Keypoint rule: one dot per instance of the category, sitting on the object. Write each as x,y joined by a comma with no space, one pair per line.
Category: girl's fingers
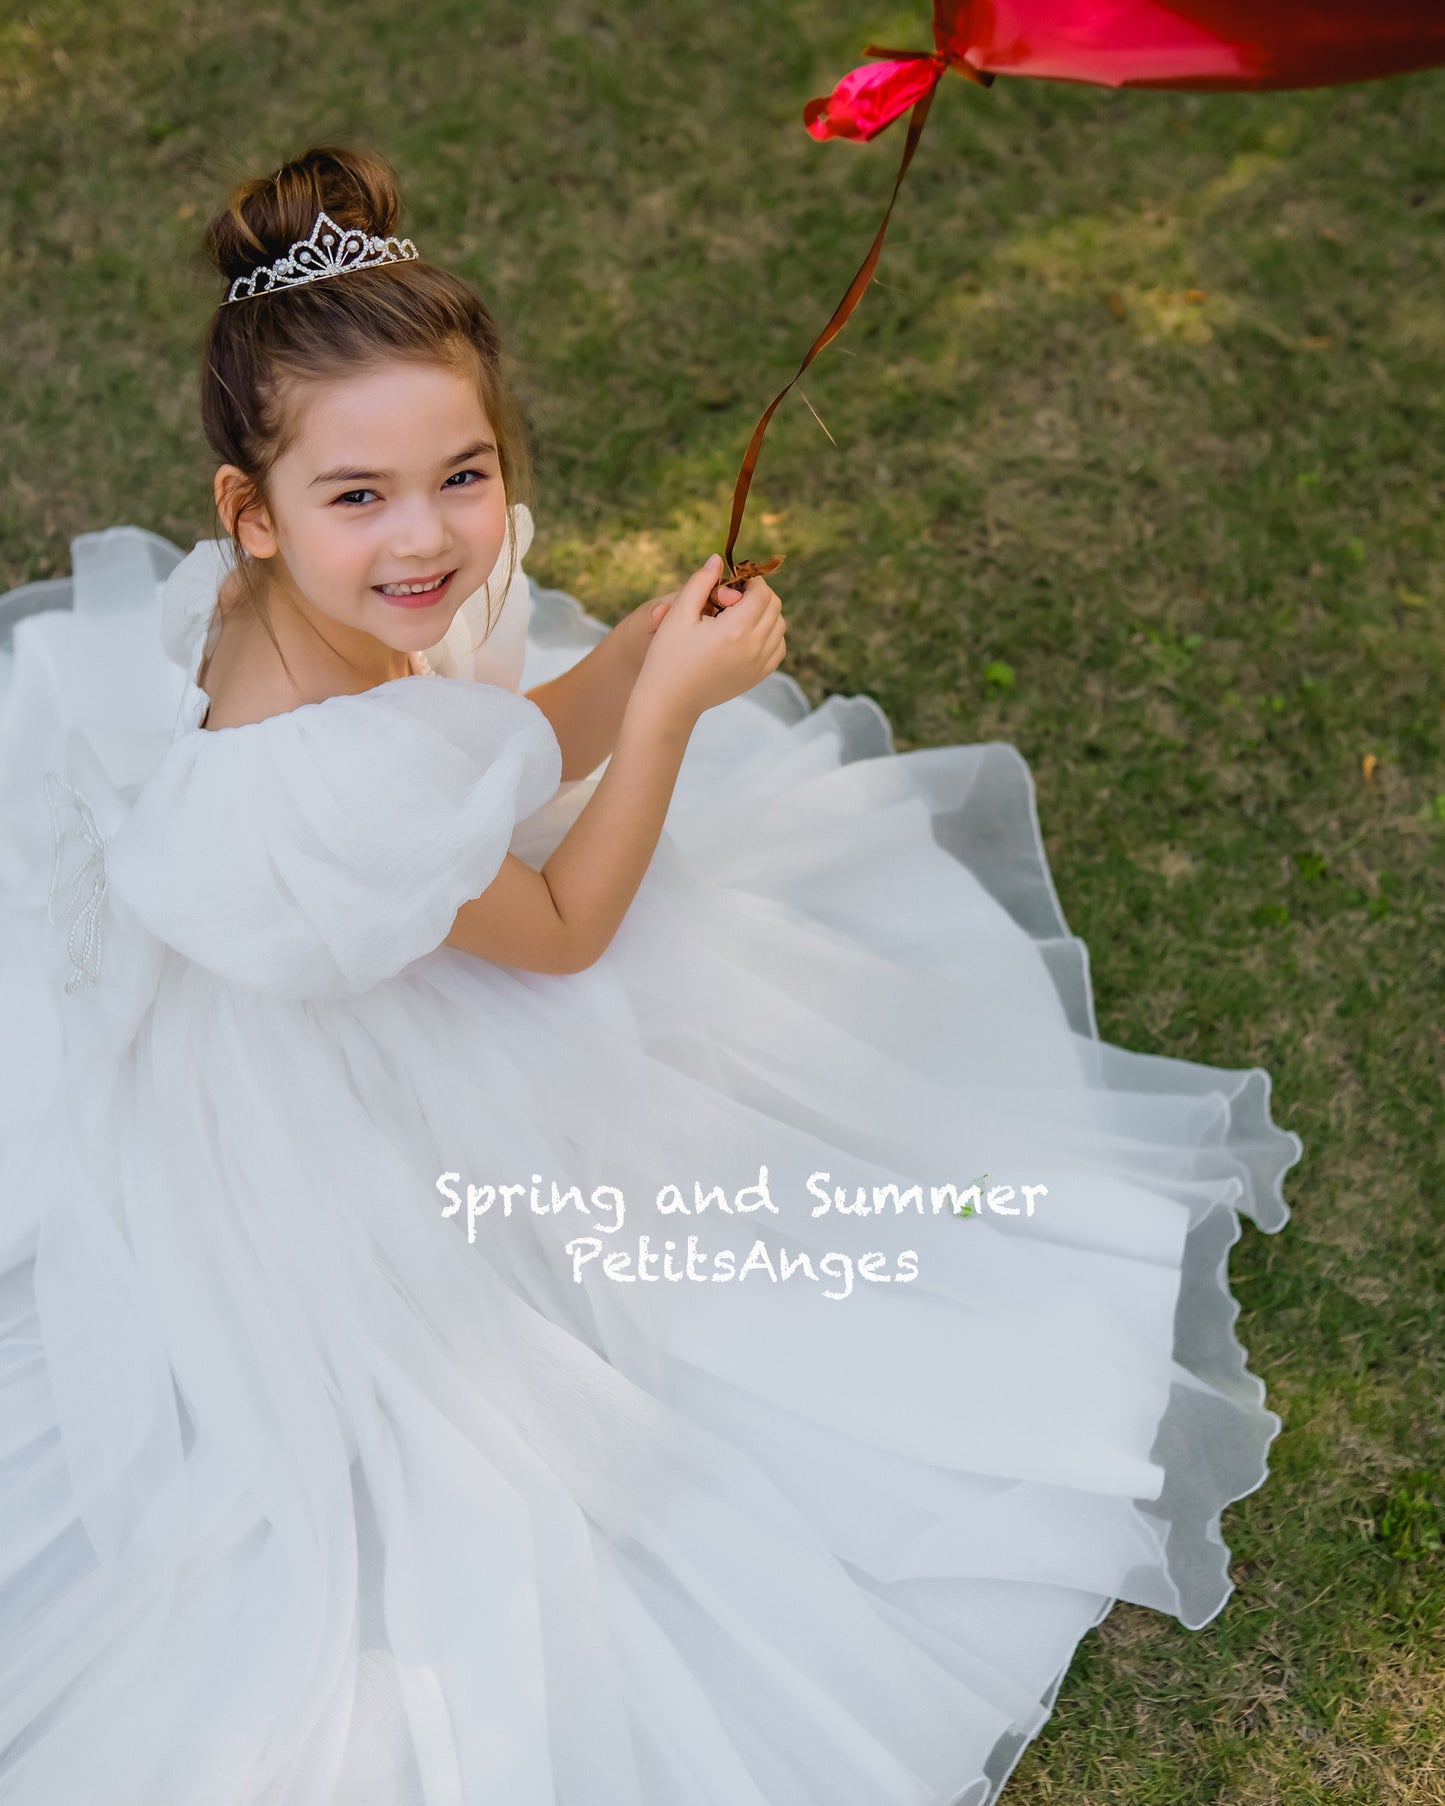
760,601
693,595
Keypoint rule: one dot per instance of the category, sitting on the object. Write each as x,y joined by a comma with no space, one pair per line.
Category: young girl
572,1245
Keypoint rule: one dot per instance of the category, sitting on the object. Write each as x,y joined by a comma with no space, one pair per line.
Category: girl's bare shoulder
241,672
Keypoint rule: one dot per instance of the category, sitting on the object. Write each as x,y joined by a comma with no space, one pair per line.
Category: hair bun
265,215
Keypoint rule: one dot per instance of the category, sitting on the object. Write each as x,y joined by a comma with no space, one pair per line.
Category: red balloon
1115,44
1198,44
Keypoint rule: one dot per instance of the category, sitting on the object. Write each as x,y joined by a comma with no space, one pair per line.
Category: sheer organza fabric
312,1496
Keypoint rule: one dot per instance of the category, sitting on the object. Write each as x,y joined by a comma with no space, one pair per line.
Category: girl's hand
651,613
695,661
637,626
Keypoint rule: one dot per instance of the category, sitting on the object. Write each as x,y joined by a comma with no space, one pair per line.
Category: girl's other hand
653,611
695,661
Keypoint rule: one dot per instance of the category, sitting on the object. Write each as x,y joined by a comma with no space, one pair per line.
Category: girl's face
393,480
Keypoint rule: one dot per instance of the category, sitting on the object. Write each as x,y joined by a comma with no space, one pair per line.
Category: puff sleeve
318,852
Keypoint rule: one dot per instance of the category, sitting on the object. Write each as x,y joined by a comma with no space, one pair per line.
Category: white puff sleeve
318,852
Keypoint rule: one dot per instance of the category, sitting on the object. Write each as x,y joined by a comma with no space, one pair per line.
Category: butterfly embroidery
78,879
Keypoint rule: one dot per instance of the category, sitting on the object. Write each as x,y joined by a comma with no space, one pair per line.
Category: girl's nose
422,536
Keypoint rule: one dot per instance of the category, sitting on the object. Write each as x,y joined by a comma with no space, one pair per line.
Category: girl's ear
250,526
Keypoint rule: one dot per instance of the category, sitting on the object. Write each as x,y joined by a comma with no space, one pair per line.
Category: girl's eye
481,476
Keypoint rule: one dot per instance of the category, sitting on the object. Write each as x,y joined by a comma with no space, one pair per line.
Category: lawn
1133,458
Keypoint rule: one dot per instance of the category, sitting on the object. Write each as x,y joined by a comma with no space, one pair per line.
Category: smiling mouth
409,595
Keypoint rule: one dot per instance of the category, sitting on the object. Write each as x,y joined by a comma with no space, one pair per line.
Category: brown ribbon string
835,325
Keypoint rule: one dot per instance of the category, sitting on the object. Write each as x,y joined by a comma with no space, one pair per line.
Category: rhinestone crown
331,250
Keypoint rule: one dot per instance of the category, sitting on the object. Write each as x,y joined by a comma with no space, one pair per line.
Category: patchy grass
1138,465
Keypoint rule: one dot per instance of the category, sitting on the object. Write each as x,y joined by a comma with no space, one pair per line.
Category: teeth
410,589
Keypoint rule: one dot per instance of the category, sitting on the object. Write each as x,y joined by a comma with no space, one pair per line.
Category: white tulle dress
327,1481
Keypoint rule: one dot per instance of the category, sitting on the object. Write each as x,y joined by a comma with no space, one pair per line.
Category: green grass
1139,465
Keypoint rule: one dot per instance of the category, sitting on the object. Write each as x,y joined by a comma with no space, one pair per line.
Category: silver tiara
331,250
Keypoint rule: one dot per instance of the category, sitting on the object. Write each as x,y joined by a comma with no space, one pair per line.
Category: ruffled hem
1214,1436
766,784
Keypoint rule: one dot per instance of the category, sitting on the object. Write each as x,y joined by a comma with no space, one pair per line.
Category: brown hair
258,351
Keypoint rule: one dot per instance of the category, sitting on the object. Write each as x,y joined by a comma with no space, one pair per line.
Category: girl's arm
585,704
562,918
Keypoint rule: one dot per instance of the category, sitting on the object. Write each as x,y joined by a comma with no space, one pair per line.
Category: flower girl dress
327,1481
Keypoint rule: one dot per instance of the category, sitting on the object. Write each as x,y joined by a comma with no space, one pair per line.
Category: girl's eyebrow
377,476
